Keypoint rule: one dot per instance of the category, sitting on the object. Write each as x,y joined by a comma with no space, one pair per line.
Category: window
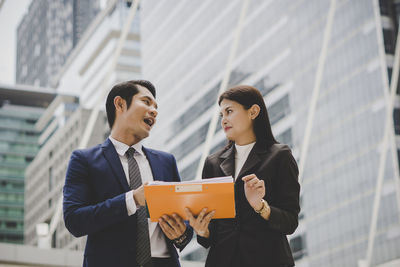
191,143
398,157
198,108
11,224
389,40
37,50
297,245
24,71
279,110
265,88
190,171
396,118
50,178
285,137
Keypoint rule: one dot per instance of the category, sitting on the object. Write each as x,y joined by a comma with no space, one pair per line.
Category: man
103,192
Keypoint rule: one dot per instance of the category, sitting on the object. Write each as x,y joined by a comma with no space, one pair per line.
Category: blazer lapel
155,164
227,164
113,160
253,159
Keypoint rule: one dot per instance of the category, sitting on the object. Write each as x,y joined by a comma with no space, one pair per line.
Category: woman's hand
254,190
200,223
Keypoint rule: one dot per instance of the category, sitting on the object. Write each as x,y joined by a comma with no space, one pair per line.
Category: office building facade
63,127
186,46
47,34
20,108
82,76
88,66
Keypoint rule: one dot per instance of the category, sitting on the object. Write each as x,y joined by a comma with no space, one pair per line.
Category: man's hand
254,190
200,223
138,195
172,226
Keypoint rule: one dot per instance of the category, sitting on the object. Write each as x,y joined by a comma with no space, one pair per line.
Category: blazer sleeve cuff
282,221
182,241
273,220
205,242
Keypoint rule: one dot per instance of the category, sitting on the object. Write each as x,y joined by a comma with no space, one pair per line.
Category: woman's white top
241,154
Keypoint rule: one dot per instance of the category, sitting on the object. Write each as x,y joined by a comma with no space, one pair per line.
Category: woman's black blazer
248,237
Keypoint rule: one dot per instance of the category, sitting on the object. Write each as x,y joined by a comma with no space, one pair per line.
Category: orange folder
168,198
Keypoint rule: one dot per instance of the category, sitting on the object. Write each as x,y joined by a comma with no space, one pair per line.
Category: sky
11,13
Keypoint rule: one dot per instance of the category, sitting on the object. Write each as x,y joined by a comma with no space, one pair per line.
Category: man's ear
254,111
119,103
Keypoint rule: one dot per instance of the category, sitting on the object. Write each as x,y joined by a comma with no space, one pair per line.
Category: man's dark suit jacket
248,239
94,204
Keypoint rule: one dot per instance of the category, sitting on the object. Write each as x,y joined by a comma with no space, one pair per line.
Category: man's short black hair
126,90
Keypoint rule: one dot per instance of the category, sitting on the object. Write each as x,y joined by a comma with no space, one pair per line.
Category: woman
266,188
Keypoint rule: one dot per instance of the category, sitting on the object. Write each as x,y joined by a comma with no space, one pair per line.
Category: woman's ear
254,111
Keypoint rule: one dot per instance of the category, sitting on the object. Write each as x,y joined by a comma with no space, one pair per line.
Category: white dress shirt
158,243
241,154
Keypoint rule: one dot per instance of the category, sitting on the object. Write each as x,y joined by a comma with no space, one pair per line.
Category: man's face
141,115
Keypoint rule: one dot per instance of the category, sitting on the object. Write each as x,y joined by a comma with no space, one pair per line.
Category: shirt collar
121,148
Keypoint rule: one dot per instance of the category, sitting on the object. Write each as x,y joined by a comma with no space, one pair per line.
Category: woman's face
237,122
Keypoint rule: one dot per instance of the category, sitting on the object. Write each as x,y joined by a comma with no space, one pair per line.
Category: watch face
264,207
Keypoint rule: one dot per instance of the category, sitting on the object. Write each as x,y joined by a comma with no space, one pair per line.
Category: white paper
226,179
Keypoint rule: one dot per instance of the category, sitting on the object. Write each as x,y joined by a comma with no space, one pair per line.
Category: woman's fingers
249,177
208,217
259,184
201,214
190,216
200,223
253,182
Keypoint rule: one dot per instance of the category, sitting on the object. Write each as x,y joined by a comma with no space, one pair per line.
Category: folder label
189,188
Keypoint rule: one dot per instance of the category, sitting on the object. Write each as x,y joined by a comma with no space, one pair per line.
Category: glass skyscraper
185,48
47,34
83,76
20,108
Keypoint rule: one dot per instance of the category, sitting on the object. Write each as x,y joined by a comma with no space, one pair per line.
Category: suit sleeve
284,215
81,216
189,230
206,242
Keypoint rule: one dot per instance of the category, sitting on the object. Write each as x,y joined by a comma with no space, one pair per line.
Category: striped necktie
143,253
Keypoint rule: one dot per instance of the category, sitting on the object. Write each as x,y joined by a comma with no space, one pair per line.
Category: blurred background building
20,109
46,36
183,48
79,85
62,126
185,51
89,64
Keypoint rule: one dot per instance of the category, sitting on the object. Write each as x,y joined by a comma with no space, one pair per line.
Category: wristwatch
264,207
178,241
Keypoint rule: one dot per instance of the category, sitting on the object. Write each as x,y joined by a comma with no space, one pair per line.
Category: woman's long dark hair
247,96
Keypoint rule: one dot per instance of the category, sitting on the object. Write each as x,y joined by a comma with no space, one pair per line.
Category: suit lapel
253,159
113,160
155,164
227,164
